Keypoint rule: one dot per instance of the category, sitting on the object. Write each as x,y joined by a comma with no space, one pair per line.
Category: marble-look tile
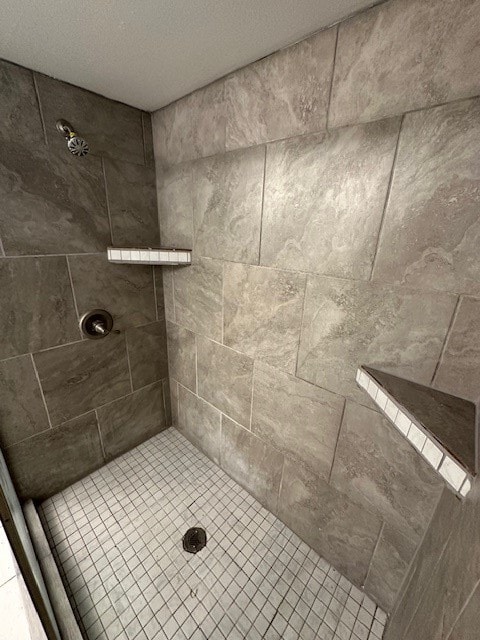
159,292
131,420
22,412
282,95
227,205
111,128
50,461
404,55
198,297
148,139
19,113
37,309
78,377
147,353
390,561
164,282
174,400
175,206
296,417
431,230
337,528
193,127
51,204
225,379
199,422
126,291
167,402
182,355
252,463
377,467
468,624
346,324
459,370
132,203
324,199
263,313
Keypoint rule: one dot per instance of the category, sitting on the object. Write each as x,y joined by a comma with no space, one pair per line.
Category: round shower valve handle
96,324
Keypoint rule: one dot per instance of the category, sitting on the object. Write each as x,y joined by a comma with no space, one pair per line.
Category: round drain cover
194,540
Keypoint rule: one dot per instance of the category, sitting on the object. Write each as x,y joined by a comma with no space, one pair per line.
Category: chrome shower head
76,145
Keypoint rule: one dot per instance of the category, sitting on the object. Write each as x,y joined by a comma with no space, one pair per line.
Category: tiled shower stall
330,195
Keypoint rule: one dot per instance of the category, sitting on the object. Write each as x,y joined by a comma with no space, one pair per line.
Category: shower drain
194,540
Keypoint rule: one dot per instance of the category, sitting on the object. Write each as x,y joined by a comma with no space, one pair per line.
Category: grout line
39,105
164,401
2,250
373,553
262,206
465,605
41,390
387,198
447,337
100,436
74,296
251,396
107,200
301,326
142,119
196,363
155,292
128,361
173,294
337,440
330,91
223,302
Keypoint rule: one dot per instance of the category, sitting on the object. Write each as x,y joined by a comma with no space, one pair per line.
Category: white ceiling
148,53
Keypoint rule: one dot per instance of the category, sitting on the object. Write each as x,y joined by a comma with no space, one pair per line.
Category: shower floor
117,538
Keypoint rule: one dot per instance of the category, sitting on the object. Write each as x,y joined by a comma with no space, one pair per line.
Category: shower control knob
96,324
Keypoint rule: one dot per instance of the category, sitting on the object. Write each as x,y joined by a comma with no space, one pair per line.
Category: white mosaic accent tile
432,453
150,256
117,537
402,422
467,485
416,437
452,473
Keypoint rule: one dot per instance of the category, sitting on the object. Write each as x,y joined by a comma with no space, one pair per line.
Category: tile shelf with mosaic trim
161,256
441,427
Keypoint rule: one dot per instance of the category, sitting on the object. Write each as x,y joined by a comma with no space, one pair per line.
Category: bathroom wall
331,194
67,404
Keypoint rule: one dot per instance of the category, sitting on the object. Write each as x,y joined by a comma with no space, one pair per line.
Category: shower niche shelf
162,256
441,427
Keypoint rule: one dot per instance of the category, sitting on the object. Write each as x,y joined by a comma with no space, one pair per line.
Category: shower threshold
117,539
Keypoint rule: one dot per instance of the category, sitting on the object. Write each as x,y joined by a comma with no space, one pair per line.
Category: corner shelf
161,256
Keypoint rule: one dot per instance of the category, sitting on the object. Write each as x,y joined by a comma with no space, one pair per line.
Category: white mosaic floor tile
117,537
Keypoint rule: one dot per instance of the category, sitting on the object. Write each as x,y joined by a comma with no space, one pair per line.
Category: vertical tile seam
330,91
37,376
155,299
223,303
107,199
2,250
373,553
262,206
164,401
144,142
301,325
337,440
251,396
387,198
447,338
39,106
100,435
128,362
73,295
462,609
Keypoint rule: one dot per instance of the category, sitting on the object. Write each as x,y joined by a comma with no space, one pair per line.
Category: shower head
76,145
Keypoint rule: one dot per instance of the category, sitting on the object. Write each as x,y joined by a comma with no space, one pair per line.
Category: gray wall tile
22,411
19,113
79,377
227,205
346,324
263,311
283,95
403,55
182,355
254,464
225,379
466,628
147,353
175,206
432,230
164,281
296,417
126,291
50,461
199,422
37,309
324,199
174,400
132,203
337,528
51,203
127,422
148,139
198,297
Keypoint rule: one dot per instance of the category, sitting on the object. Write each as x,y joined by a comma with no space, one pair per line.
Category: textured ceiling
148,53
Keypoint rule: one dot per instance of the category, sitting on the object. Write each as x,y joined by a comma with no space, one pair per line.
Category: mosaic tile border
149,256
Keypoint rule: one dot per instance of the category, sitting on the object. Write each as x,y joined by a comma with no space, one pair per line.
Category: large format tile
111,128
37,309
254,464
296,417
81,376
283,95
175,206
468,624
131,420
347,324
324,199
126,291
148,139
54,459
263,313
164,289
192,127
132,203
403,55
49,203
431,230
147,353
198,297
227,205
378,467
22,412
199,422
225,379
182,355
19,113
342,532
